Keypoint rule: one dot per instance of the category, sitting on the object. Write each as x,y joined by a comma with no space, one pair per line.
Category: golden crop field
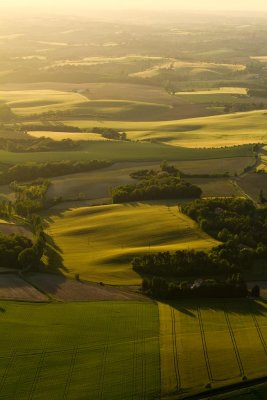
85,240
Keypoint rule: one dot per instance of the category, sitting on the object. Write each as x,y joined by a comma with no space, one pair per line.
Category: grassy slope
222,130
29,102
99,242
126,151
106,350
211,342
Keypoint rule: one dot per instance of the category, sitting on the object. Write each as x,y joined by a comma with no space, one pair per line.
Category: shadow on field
54,256
232,306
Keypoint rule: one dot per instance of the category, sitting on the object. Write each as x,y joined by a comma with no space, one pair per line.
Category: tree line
171,290
42,144
31,171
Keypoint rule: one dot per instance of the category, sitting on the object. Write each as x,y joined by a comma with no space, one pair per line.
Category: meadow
75,351
83,240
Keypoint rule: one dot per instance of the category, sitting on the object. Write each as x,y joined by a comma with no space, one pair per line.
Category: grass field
82,351
85,241
126,151
211,343
219,130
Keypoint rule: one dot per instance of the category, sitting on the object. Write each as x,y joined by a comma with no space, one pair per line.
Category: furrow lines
70,373
257,326
204,345
232,335
175,352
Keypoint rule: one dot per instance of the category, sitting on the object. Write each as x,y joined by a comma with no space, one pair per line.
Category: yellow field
214,131
67,135
28,102
259,58
221,90
173,64
214,343
99,242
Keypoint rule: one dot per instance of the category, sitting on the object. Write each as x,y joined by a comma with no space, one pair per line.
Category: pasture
75,351
99,242
208,343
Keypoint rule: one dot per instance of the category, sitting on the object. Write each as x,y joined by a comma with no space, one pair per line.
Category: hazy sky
255,5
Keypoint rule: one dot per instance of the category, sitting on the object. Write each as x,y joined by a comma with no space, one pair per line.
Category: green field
131,350
103,350
211,343
99,242
126,151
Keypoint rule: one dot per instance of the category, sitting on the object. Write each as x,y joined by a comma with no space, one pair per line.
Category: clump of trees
30,171
170,290
20,252
43,144
29,198
110,133
156,185
237,223
11,248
